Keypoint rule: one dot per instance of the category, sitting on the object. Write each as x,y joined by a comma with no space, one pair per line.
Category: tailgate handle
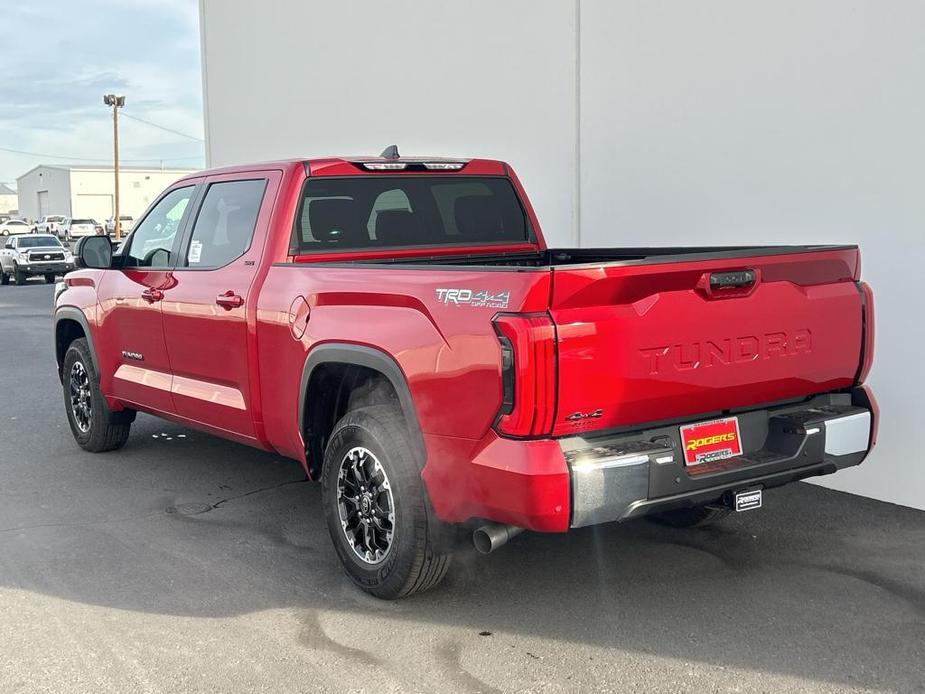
738,278
729,284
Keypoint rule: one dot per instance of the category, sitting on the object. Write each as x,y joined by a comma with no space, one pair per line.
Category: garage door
96,206
43,204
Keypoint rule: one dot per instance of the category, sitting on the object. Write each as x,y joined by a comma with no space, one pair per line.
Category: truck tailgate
659,339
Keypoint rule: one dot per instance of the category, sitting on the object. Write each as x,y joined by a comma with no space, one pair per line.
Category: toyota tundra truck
399,327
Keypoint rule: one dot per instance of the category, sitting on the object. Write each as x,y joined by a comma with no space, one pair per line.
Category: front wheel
94,426
4,278
375,507
21,276
49,278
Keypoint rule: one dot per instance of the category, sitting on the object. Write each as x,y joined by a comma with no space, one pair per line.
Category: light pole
116,102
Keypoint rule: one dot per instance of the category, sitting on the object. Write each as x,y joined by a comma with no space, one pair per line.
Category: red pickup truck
399,327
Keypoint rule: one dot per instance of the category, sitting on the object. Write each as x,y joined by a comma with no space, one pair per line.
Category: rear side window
390,211
225,224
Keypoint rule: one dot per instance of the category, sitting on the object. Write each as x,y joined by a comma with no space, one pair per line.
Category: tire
49,278
691,517
21,276
375,440
94,426
4,278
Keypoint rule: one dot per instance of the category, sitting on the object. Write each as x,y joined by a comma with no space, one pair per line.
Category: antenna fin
390,152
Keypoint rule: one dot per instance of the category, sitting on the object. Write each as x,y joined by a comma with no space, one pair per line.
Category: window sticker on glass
195,251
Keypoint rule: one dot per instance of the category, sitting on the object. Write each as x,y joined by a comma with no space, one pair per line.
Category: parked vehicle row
29,255
65,228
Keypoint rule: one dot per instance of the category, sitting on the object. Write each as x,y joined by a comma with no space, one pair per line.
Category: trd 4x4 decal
474,297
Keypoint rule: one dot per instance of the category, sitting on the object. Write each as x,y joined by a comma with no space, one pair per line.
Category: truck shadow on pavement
818,585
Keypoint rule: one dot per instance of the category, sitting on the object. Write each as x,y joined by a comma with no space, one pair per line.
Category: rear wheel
690,517
375,508
94,426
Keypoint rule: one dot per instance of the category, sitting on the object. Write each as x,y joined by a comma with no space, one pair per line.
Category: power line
162,127
90,159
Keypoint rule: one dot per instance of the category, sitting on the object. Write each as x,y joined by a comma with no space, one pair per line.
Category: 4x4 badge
575,416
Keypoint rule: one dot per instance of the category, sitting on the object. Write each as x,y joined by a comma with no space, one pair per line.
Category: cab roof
389,162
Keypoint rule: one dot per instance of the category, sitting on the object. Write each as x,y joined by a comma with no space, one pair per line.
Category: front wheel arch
71,324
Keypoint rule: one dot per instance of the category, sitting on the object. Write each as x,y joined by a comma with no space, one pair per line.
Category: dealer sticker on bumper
746,501
708,441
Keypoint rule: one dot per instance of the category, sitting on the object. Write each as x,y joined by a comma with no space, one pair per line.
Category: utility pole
116,102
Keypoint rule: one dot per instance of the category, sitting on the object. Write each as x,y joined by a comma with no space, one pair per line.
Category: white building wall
49,181
92,190
729,122
630,123
8,201
478,78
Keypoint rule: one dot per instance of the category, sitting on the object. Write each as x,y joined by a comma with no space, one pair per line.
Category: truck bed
558,257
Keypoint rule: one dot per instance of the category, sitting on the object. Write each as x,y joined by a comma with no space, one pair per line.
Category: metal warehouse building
87,191
706,122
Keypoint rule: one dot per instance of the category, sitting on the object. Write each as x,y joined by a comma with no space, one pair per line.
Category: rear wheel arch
340,377
71,324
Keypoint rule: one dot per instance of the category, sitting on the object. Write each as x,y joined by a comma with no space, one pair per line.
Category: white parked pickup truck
48,224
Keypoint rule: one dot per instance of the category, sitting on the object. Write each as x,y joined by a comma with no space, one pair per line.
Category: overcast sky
58,58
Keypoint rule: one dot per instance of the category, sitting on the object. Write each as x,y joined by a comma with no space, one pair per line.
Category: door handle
152,295
229,300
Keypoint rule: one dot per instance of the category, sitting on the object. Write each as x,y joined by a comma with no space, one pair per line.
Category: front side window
389,211
225,223
153,240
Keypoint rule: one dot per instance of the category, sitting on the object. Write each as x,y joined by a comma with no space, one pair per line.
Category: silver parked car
76,228
25,255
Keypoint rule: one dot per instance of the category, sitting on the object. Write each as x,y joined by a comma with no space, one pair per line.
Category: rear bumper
550,485
637,474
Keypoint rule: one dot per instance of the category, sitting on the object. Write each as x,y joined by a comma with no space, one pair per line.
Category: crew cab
400,327
27,255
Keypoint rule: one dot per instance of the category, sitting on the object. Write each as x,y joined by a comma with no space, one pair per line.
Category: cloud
58,59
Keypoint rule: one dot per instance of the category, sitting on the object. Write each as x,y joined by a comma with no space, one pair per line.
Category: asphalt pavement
185,563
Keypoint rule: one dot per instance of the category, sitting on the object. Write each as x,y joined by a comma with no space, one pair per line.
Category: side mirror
94,252
9,246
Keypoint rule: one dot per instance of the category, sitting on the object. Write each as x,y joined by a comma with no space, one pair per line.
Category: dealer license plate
705,442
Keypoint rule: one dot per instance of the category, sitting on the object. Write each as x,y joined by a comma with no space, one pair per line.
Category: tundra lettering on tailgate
725,351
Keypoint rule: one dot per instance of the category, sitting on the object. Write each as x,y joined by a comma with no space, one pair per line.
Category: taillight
528,374
867,340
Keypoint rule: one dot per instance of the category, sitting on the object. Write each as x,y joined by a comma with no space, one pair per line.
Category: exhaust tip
490,537
482,541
